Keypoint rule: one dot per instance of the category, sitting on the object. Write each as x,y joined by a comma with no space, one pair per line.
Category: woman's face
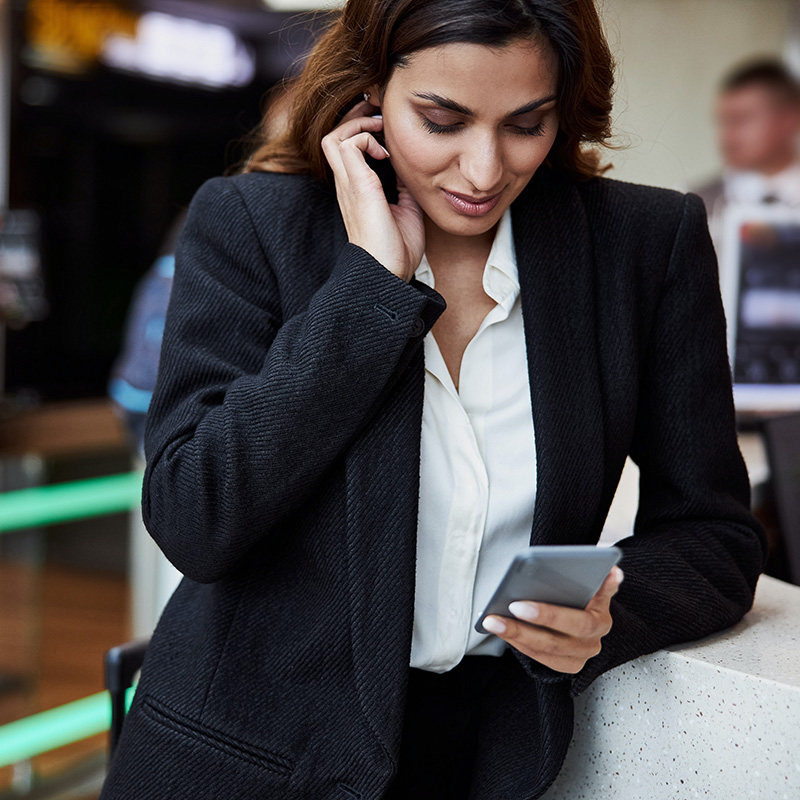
467,126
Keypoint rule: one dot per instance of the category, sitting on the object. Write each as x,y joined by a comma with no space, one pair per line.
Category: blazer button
418,327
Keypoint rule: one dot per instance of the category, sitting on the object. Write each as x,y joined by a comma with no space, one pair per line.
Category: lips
471,206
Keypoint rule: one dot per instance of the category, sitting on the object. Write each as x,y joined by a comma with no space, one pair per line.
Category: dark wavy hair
368,39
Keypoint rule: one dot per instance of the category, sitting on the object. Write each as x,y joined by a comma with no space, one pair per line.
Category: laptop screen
764,328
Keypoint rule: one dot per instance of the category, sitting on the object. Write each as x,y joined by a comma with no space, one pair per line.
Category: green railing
40,733
64,502
48,505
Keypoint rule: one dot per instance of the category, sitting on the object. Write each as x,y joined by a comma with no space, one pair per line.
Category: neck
449,251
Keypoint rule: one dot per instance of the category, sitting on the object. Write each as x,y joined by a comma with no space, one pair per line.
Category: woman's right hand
392,234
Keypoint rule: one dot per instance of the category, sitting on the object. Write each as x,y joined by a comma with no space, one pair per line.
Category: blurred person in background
758,125
133,374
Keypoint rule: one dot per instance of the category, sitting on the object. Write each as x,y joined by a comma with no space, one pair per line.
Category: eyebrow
445,102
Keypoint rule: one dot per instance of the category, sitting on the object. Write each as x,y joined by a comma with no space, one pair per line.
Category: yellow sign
70,34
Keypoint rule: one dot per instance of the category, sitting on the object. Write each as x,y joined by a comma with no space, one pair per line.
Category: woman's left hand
561,638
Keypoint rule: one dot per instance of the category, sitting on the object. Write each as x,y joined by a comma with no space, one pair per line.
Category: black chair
121,665
782,438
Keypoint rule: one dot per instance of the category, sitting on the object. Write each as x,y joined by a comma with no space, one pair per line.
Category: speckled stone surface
715,718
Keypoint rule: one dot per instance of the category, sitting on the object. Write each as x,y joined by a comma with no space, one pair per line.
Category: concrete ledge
714,718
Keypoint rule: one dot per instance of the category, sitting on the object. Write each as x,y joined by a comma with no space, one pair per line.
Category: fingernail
493,625
384,150
524,609
620,575
377,116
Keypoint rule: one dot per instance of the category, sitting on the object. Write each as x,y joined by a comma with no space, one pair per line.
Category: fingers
556,650
350,149
569,621
344,148
346,129
354,122
559,637
591,621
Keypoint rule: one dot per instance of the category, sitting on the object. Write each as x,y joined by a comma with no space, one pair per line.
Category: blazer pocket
185,726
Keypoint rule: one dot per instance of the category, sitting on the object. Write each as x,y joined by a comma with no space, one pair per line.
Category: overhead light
182,50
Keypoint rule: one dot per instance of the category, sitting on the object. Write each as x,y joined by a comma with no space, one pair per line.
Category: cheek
526,154
415,152
526,157
752,137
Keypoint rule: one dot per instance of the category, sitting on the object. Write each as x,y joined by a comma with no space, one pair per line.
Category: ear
375,95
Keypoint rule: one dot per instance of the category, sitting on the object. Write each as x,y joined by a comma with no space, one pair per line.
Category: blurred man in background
758,124
754,218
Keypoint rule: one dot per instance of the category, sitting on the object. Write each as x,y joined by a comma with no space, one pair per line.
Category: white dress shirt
754,187
477,471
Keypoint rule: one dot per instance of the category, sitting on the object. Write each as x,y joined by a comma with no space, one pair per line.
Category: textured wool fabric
282,479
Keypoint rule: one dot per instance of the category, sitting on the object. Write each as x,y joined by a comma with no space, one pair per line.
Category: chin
473,227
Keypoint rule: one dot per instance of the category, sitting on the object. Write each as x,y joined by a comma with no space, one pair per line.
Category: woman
375,388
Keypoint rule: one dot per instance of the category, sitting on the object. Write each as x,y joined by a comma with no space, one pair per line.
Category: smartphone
565,575
384,170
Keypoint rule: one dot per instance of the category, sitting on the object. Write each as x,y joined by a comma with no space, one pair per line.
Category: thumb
607,590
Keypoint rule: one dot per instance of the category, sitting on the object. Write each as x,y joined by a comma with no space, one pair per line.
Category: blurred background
112,113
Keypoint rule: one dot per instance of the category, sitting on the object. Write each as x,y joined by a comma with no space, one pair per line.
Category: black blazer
282,479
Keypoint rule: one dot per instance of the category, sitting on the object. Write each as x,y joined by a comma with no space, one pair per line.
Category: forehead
480,77
750,96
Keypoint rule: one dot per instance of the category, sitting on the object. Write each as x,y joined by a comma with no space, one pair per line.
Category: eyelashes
432,127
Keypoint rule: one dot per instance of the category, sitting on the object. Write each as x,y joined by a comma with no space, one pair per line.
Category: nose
481,161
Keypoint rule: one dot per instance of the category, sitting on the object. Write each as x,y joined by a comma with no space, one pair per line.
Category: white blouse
477,471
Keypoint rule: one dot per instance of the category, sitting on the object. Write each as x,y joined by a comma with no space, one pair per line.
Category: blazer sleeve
249,409
693,561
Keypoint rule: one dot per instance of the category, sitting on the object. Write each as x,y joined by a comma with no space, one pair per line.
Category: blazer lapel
557,290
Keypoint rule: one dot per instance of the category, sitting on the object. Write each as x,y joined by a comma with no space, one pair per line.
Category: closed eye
524,130
434,127
536,130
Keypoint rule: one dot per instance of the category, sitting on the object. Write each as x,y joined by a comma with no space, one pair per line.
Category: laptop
761,294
